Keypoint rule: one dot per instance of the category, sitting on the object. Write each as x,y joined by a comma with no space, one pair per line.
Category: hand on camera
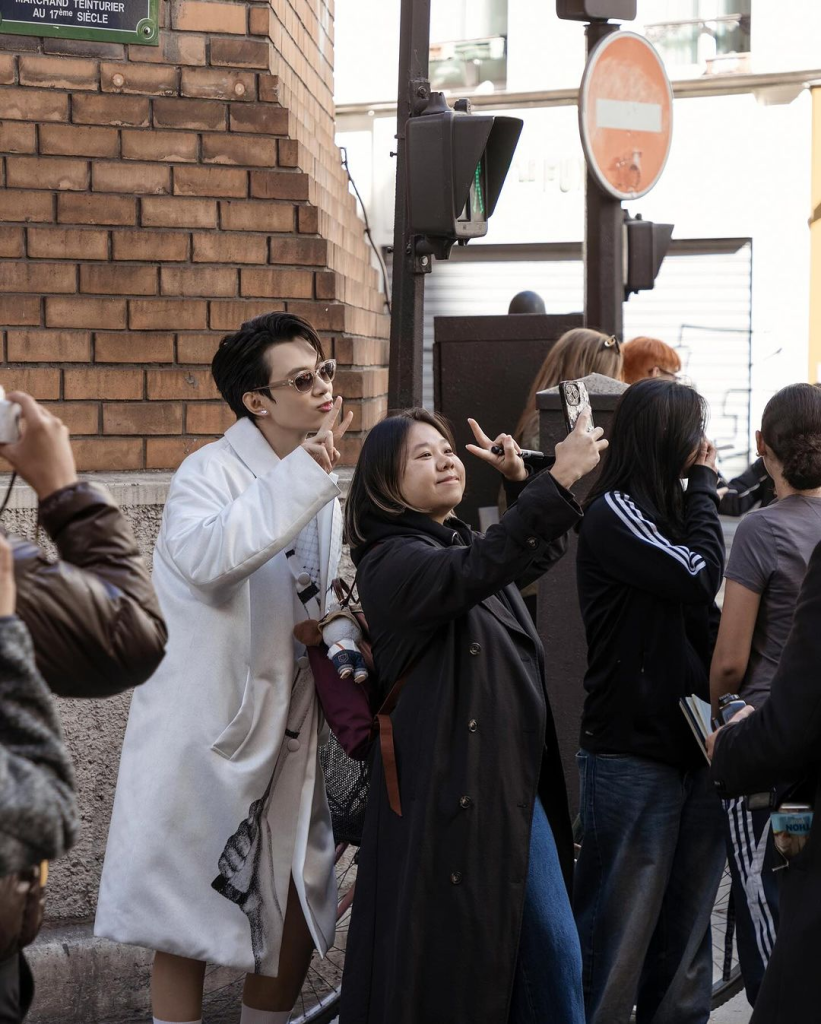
739,716
43,455
509,464
8,589
579,453
706,455
322,445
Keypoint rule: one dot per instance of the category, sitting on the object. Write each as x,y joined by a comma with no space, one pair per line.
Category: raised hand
8,591
322,446
43,455
579,453
509,464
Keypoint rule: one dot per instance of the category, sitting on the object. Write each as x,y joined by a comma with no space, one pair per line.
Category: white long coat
220,797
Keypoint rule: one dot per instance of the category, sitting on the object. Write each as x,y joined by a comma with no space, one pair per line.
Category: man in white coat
220,848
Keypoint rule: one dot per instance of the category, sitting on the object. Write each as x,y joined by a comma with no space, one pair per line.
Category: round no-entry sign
625,115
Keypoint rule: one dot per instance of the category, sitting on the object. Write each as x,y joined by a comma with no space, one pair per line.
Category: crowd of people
471,904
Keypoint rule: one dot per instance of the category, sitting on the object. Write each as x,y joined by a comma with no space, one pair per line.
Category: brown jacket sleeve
93,614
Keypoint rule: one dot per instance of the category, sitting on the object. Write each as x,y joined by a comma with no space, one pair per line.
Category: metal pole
603,238
408,288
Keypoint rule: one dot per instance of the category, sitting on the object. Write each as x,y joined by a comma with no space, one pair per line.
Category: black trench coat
440,891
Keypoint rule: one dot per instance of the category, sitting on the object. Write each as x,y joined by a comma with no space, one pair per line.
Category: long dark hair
791,427
657,426
376,485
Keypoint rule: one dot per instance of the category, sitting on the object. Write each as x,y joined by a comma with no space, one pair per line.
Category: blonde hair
576,354
642,354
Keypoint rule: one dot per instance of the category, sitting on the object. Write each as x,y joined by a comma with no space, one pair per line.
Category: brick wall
153,198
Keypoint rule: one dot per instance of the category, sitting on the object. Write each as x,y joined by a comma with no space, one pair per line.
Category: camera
9,420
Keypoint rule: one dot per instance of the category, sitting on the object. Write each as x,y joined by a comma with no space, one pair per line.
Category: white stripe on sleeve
647,531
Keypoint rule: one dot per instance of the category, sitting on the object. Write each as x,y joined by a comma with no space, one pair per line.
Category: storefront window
468,44
708,33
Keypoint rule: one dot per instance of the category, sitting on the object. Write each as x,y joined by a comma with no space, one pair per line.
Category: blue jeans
548,981
646,879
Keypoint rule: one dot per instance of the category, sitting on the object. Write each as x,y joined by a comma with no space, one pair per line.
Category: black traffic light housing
596,10
646,244
456,165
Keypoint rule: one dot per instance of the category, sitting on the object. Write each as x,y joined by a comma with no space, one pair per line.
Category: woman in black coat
782,741
461,911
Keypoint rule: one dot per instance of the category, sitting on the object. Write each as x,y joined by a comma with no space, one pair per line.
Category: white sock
250,1016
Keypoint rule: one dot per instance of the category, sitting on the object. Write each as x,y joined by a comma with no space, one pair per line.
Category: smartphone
575,400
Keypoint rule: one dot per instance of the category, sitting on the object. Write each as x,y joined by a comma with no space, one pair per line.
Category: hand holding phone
575,400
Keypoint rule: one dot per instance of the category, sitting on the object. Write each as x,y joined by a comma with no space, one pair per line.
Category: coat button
303,579
475,648
456,878
302,661
293,745
532,542
473,725
465,802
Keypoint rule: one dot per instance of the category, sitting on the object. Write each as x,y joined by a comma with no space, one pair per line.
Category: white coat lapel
251,447
329,521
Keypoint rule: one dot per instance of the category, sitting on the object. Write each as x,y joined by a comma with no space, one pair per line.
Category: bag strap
384,726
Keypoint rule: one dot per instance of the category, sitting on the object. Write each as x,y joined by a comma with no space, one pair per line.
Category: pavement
737,1011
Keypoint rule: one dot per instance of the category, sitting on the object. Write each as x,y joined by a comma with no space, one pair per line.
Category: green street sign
107,21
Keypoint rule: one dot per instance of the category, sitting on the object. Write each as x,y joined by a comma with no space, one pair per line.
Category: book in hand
698,714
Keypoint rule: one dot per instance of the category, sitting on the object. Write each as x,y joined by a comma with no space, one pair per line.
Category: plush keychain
342,636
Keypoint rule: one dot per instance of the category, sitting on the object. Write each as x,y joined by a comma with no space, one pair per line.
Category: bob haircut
657,426
376,486
642,354
791,427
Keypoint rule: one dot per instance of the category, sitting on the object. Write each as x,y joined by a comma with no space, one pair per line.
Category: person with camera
650,562
220,848
461,910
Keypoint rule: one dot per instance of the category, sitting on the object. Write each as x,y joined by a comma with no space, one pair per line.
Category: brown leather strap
384,726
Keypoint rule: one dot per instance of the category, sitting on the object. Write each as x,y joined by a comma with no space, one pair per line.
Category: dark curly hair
791,429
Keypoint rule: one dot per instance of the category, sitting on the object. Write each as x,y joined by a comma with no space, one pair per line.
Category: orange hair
640,355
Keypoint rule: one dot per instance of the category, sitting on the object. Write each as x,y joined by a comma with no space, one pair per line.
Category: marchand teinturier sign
113,21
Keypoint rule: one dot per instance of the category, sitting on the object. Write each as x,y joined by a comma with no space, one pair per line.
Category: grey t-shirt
770,553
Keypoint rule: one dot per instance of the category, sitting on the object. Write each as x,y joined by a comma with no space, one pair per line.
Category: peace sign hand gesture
509,464
322,445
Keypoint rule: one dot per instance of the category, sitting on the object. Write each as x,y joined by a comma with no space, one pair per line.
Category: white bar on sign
627,116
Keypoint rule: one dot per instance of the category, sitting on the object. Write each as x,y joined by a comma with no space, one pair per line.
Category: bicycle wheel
727,980
318,1002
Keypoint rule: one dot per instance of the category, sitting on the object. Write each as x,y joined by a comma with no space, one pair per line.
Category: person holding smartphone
650,562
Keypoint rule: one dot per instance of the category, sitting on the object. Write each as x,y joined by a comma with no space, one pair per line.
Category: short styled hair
642,353
791,427
239,364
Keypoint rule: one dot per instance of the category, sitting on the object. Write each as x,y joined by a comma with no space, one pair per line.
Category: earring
263,412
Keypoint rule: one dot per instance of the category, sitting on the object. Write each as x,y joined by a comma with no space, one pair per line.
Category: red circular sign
625,115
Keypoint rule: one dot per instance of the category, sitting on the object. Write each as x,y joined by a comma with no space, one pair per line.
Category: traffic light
647,244
456,165
596,10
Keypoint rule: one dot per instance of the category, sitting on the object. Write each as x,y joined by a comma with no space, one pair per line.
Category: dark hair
239,364
791,427
657,426
376,485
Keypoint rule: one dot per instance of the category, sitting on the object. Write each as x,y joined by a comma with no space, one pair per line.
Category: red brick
135,347
267,120
308,220
256,216
12,243
207,281
151,246
196,16
83,48
361,351
138,78
228,315
327,285
96,209
168,453
111,176
268,86
7,69
167,314
24,104
240,53
54,172
282,284
98,455
84,312
142,418
362,383
104,384
200,115
174,48
259,21
58,72
67,244
38,277
197,348
39,383
288,153
68,140
323,315
176,212
279,185
208,418
239,151
367,414
19,309
170,147
48,346
218,84
350,449
79,417
132,111
210,181
223,247
114,279
303,251
174,384
26,206
18,137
